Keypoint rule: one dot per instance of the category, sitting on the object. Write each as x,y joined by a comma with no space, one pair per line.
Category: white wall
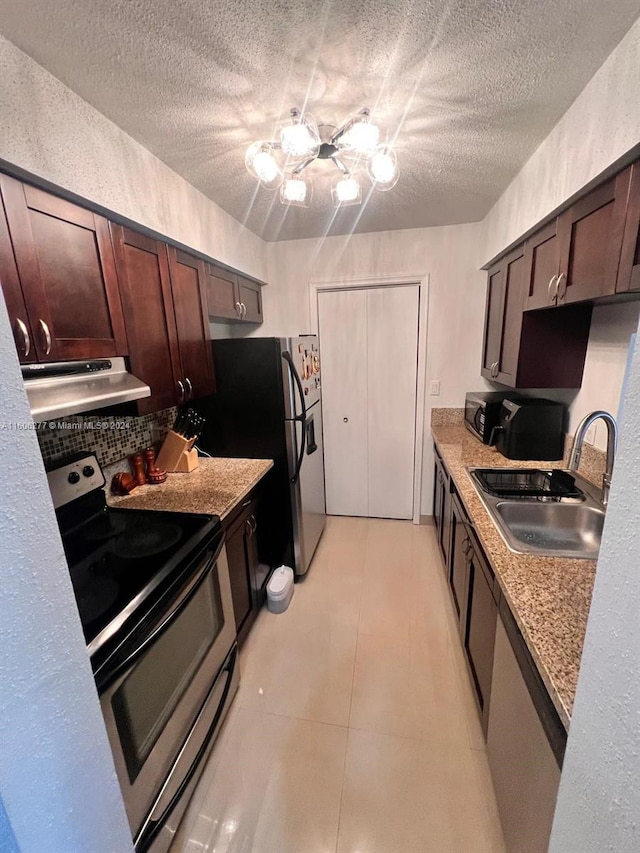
449,256
57,781
601,126
51,132
599,799
611,330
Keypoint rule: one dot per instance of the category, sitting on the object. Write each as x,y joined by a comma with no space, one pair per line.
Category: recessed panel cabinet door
513,305
16,308
629,269
143,272
493,321
67,272
192,323
590,234
221,289
250,296
541,267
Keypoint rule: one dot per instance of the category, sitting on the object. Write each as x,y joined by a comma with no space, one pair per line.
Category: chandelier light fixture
280,164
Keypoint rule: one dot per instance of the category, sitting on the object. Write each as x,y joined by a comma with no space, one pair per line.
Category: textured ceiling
468,88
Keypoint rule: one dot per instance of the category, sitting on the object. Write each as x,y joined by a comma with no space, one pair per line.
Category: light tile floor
354,729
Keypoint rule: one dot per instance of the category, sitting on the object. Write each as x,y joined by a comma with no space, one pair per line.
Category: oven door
166,688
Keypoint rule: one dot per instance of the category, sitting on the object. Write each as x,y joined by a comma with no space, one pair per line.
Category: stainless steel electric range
154,600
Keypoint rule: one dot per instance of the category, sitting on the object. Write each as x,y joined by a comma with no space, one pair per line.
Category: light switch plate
434,387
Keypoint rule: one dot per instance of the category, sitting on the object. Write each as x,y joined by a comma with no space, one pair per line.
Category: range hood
70,387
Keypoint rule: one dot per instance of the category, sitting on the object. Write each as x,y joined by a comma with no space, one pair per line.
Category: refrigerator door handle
302,417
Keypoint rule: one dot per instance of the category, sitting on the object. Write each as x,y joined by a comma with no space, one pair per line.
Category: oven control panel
74,477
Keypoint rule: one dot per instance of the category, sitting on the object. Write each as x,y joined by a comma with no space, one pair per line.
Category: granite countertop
549,597
215,487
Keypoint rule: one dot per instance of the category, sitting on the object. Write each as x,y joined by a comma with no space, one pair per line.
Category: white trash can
280,589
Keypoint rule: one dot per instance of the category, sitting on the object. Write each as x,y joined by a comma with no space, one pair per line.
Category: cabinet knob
346,420
47,336
26,340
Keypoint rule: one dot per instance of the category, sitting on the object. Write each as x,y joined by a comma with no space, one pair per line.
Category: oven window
150,693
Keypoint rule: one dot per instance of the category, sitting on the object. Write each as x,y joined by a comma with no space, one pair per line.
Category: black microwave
482,412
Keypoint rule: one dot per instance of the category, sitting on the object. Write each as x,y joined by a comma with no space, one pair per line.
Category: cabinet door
480,628
16,308
458,564
192,323
541,267
250,295
493,320
145,286
236,543
221,289
66,266
506,370
590,240
629,269
438,496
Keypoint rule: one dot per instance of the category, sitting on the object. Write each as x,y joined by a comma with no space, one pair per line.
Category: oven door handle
120,665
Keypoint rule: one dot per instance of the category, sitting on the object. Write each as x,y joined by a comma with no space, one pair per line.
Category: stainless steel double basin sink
542,522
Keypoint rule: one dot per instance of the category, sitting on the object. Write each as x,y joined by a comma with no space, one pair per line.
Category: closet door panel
342,317
392,346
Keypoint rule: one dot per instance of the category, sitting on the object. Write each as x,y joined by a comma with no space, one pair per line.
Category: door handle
346,420
561,286
182,390
26,340
189,387
553,288
302,417
244,309
239,309
47,336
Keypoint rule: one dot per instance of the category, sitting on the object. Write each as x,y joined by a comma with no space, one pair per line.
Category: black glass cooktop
114,554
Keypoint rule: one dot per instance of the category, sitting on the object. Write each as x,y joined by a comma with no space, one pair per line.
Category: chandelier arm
303,165
338,162
365,111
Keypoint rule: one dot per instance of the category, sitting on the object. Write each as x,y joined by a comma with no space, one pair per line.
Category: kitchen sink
542,522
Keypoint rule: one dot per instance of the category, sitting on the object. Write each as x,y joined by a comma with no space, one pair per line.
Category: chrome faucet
612,443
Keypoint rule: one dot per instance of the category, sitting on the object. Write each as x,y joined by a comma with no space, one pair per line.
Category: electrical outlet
434,387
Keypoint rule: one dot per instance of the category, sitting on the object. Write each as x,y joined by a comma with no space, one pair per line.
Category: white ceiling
469,87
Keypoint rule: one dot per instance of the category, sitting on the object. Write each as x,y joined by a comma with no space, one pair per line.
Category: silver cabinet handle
182,391
553,288
239,309
561,286
47,336
26,340
244,309
189,387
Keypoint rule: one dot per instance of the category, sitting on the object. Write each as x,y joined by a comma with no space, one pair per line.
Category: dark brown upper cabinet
13,296
192,323
629,269
167,327
575,257
530,349
70,306
231,296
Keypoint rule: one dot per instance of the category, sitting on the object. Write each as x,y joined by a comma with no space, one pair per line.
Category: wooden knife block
177,454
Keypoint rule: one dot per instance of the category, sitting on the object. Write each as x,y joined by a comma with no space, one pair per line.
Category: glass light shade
300,137
296,190
346,191
383,168
262,164
362,137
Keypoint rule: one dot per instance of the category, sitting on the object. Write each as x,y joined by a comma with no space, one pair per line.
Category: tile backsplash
111,438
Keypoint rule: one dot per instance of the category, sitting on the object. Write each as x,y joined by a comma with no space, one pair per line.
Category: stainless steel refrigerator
268,404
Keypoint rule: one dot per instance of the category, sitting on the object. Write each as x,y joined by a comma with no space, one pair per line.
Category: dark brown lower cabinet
480,625
458,569
442,507
247,573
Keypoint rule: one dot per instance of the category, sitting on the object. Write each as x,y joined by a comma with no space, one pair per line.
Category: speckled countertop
216,486
549,597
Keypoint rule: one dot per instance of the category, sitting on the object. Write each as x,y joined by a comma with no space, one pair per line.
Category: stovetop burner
103,527
146,539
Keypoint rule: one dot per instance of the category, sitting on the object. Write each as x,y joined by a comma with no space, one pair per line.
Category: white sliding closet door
369,346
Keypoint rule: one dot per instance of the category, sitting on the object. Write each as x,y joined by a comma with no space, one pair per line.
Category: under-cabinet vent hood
70,387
